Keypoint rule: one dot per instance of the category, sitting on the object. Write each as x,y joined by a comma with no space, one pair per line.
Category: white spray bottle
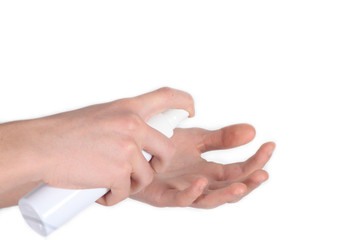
46,208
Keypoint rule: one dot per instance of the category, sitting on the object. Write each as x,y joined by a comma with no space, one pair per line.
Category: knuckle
126,169
132,121
128,146
167,91
120,171
235,171
126,149
125,123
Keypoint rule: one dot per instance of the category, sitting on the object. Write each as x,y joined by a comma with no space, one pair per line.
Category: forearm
17,161
97,146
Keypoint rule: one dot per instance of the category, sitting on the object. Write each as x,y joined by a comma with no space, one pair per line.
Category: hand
192,181
94,147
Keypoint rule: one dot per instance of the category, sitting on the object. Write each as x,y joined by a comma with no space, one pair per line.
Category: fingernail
202,187
239,191
271,153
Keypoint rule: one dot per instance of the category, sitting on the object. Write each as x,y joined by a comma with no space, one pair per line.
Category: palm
192,181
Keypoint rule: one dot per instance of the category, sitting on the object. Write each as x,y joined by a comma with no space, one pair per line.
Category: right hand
94,147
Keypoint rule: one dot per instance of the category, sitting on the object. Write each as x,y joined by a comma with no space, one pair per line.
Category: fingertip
259,176
182,98
238,134
251,129
191,107
198,188
266,150
201,184
189,195
238,189
264,176
109,199
269,147
101,201
114,197
273,144
162,99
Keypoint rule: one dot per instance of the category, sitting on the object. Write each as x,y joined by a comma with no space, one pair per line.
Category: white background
290,68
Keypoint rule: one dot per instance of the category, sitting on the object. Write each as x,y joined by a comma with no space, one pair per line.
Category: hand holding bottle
94,147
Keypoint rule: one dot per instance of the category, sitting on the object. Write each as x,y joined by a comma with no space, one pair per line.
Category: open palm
192,181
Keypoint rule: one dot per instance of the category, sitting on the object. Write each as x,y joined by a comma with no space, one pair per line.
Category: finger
160,147
227,137
257,176
259,159
152,103
117,193
142,173
184,198
220,196
253,181
119,174
240,170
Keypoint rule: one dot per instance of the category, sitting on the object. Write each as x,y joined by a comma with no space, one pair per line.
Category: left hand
192,181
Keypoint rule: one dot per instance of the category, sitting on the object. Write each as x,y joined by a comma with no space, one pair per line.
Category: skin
94,147
191,181
183,178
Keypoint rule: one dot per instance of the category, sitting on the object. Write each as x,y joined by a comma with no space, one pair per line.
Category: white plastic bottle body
56,206
46,208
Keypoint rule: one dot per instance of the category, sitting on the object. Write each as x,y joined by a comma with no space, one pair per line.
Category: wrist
18,161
